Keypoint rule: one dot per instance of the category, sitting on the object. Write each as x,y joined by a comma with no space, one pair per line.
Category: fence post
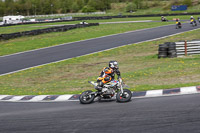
185,48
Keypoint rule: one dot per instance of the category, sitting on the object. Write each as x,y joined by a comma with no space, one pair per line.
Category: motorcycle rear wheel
124,97
86,97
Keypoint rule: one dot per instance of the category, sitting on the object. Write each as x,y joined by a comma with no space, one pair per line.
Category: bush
131,7
88,9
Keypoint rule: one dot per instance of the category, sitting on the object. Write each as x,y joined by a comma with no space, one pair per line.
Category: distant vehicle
198,19
163,19
13,19
178,25
193,22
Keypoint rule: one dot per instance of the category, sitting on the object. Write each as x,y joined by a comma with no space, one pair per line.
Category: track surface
174,114
16,62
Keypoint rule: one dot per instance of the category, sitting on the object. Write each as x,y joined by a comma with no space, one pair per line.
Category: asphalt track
171,114
21,61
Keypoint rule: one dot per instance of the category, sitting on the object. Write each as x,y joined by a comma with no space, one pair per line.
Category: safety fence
176,49
188,48
46,30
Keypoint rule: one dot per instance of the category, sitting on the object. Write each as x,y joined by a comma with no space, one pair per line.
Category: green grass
51,39
155,7
139,66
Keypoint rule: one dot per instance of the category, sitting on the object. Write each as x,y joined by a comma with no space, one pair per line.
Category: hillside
41,7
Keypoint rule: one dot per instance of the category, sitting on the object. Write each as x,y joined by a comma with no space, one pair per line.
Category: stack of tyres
163,51
172,49
168,49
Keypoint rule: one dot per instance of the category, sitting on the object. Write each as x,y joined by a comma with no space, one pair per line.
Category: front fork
121,88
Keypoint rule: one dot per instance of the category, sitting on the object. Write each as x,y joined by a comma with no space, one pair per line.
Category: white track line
154,93
188,90
63,98
16,98
38,98
3,96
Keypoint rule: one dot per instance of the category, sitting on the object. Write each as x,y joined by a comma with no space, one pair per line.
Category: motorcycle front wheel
86,97
125,96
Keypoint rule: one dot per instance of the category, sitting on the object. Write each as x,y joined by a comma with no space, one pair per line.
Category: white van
12,19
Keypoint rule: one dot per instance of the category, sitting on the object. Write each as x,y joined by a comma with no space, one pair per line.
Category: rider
108,74
178,23
198,19
192,20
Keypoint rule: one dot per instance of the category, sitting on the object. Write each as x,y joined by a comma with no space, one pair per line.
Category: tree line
42,7
36,7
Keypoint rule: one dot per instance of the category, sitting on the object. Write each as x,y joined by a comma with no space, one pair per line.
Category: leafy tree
10,8
80,4
2,9
74,7
131,7
138,3
92,3
28,6
88,9
65,5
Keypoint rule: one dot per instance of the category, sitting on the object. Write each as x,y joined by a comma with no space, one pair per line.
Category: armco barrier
188,48
47,30
176,49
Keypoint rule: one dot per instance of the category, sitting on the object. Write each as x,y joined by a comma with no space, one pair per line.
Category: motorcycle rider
192,20
198,19
178,23
108,74
163,18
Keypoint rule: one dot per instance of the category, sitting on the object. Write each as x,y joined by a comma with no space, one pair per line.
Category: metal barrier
188,48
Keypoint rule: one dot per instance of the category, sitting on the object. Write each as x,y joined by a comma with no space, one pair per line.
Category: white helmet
113,64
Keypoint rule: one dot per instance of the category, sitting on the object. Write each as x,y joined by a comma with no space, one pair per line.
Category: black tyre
162,54
163,47
124,97
86,97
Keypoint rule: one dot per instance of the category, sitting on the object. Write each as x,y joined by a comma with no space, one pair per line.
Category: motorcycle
193,22
109,90
178,25
199,19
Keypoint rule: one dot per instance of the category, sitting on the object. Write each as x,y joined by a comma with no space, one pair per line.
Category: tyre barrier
168,49
46,30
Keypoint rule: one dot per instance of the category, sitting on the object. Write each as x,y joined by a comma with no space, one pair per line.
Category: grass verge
139,65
